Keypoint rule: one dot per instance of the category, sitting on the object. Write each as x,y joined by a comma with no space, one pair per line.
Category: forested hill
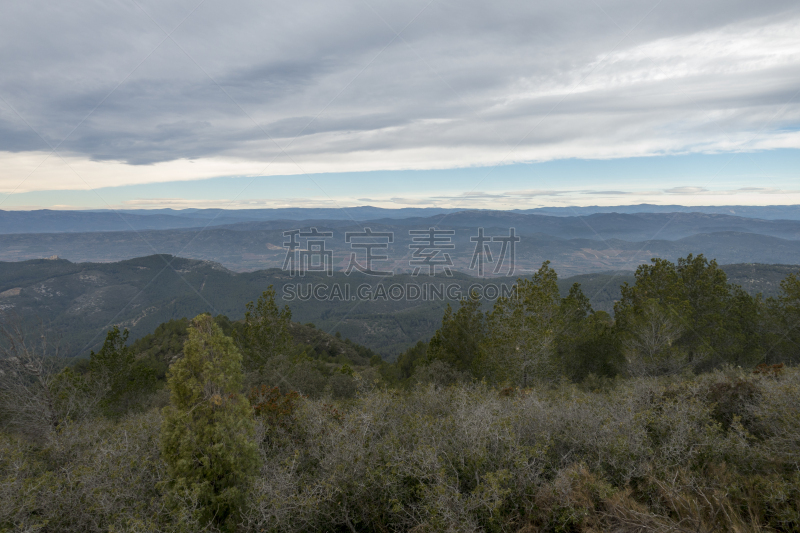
81,301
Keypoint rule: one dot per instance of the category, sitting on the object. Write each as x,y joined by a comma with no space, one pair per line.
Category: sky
202,103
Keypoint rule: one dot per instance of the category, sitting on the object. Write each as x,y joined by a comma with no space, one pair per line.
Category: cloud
607,193
702,191
499,201
31,171
311,86
686,190
763,190
228,196
257,203
537,192
405,201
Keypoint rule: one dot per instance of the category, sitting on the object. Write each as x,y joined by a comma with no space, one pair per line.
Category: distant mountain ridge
767,212
54,221
575,245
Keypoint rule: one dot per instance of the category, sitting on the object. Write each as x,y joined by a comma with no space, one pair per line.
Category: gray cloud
466,83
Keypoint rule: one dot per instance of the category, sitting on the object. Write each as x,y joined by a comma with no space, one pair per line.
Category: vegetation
207,430
117,376
458,341
687,313
679,413
266,330
523,331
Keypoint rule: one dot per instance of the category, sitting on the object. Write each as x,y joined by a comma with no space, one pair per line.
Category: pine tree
783,323
521,340
116,373
585,341
717,321
266,330
208,429
458,341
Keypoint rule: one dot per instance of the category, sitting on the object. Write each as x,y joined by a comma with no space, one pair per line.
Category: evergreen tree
711,320
783,324
408,361
458,341
266,330
585,342
207,437
595,350
115,371
522,330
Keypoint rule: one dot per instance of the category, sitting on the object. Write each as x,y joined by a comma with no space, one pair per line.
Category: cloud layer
138,91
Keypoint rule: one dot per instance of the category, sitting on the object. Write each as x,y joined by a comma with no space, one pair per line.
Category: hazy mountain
579,220
51,221
632,227
767,212
47,221
259,245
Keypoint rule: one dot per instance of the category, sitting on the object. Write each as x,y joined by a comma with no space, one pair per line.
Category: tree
409,360
207,437
720,315
783,323
266,330
649,347
586,342
660,282
595,350
573,312
117,376
522,330
718,321
458,341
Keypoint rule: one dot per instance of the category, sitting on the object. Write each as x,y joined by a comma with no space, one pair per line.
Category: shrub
648,454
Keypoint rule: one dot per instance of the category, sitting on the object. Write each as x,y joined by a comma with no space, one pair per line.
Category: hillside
82,300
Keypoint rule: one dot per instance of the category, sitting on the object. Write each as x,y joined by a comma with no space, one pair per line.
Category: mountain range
54,221
80,301
575,245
